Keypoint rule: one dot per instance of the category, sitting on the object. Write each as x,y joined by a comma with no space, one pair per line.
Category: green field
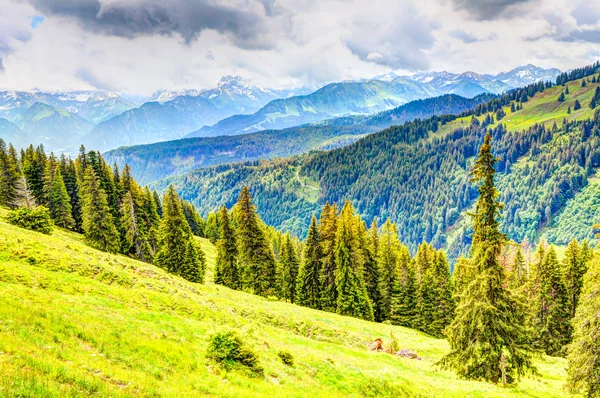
75,321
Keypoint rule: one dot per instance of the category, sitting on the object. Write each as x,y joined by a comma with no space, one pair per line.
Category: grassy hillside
78,322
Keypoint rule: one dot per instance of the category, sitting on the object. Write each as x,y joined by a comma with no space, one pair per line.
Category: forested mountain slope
80,322
417,174
156,161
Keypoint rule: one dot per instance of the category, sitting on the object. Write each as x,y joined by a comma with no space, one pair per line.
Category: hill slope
418,174
79,322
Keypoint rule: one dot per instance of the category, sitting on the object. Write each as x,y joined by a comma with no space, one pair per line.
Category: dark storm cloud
245,25
488,9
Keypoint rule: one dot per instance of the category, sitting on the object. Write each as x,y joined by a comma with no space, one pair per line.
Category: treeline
343,267
106,204
500,306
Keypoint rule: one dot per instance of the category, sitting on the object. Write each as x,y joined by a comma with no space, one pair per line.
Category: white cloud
289,42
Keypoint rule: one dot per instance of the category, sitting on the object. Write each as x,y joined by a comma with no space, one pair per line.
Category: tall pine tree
489,329
352,296
98,225
256,258
308,290
584,352
226,269
328,231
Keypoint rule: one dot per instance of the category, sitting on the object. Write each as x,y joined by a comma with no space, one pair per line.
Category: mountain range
108,120
163,159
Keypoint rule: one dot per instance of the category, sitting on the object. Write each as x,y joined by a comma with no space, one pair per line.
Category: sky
141,46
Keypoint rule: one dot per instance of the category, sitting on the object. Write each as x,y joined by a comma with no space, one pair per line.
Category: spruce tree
9,176
443,311
583,374
328,231
424,262
551,318
98,225
59,202
573,269
34,163
289,265
489,329
403,309
389,248
517,277
174,233
136,234
193,267
461,277
158,203
308,290
226,269
256,258
372,274
352,296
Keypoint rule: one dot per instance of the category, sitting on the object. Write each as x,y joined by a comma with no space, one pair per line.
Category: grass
75,321
542,108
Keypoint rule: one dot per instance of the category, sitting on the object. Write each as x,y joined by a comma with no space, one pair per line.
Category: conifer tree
136,235
551,318
424,262
158,203
59,202
193,267
372,274
489,329
24,196
289,265
308,290
517,277
573,269
463,275
256,258
174,233
9,176
34,163
584,352
328,231
69,175
352,297
389,248
443,311
98,225
226,269
403,310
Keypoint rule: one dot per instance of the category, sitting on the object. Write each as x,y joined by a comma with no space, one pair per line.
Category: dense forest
106,204
417,174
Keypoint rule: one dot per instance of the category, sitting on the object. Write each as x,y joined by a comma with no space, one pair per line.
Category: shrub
286,358
228,350
36,219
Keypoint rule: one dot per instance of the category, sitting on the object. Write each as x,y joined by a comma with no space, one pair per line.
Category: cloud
394,37
489,9
14,25
582,35
1,65
246,22
586,14
464,36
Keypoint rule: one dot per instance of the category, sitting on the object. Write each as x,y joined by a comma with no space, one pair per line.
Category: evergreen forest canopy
417,174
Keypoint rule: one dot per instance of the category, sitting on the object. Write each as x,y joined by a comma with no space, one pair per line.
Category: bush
228,350
36,219
286,358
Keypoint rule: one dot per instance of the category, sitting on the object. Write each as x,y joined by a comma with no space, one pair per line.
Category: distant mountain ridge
235,106
159,160
369,96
